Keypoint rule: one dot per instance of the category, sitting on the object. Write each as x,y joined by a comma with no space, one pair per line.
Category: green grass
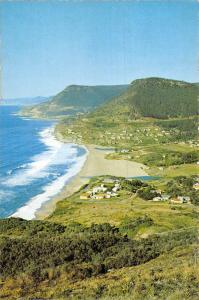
173,171
154,158
126,206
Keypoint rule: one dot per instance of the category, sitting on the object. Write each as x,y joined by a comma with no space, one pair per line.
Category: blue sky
49,45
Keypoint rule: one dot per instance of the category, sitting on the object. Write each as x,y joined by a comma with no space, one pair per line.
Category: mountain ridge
75,99
155,97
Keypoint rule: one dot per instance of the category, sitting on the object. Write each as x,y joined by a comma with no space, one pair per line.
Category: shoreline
95,165
56,152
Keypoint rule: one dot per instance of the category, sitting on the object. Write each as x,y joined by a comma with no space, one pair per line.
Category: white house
184,199
156,199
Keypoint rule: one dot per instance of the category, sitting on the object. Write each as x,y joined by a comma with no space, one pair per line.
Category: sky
46,46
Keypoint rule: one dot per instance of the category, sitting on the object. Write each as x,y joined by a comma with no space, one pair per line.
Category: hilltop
75,99
154,97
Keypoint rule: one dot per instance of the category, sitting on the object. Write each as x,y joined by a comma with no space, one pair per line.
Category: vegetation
182,129
163,98
128,205
76,252
131,236
74,100
183,185
164,160
136,248
151,111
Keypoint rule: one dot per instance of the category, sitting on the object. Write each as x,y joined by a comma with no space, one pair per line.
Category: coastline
95,165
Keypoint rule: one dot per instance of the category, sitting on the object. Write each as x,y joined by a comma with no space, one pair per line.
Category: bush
87,253
147,193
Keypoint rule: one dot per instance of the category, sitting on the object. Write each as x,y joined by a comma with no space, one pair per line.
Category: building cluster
138,135
167,197
181,200
101,192
75,137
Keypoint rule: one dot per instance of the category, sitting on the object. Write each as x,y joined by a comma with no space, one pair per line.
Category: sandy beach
95,165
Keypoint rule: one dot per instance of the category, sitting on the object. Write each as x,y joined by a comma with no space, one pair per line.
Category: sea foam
28,211
56,153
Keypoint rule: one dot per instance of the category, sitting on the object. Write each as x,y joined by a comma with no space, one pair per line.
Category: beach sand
95,165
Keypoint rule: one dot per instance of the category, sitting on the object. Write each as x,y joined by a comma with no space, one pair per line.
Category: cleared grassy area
126,206
173,171
161,159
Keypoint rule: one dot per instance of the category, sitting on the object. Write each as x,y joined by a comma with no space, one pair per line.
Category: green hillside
156,98
150,111
75,99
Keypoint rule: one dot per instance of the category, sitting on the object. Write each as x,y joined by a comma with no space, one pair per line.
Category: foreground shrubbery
101,247
39,256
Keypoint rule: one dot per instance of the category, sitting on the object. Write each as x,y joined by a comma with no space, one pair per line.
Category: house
109,180
107,196
196,186
184,199
176,201
156,199
111,194
99,189
162,197
114,194
158,192
116,187
165,197
180,200
85,196
99,196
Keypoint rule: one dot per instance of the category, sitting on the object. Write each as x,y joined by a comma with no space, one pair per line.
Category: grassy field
165,160
127,206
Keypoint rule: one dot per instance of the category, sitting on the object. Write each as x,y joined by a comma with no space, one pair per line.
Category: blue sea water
34,166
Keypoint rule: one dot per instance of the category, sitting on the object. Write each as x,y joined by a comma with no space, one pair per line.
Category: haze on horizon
49,45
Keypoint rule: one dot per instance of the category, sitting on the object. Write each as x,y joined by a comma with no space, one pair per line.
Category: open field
126,206
165,160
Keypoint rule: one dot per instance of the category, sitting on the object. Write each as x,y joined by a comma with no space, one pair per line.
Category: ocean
34,166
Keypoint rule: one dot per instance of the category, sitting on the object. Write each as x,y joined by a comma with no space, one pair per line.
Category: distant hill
24,101
149,111
75,99
156,98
